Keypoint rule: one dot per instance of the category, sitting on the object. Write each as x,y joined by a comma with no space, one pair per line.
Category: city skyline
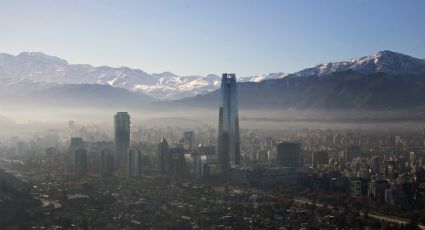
241,114
370,169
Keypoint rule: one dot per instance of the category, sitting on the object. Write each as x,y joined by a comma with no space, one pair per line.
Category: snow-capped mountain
259,78
365,82
388,62
41,69
171,86
385,80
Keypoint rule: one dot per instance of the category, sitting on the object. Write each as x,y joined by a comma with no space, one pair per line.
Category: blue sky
212,36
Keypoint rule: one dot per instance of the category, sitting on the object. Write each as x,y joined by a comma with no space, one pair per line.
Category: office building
200,165
122,140
76,143
164,157
188,140
228,128
135,163
289,154
376,190
320,158
106,163
358,187
80,163
177,167
375,165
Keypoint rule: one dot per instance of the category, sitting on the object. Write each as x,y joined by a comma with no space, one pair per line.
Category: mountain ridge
40,67
383,61
385,80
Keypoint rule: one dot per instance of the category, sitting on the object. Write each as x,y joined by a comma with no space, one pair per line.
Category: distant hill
90,94
71,95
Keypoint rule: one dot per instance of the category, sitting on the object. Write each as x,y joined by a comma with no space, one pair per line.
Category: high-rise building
289,154
377,189
76,143
80,163
412,157
269,143
375,165
164,157
200,165
359,186
189,137
319,158
178,163
228,127
134,163
106,163
122,139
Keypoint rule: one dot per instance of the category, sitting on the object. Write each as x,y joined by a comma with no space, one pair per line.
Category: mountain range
40,70
384,80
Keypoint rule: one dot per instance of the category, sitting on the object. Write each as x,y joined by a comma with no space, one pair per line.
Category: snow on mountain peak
164,74
259,78
383,61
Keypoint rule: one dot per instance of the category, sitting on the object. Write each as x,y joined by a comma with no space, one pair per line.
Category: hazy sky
200,36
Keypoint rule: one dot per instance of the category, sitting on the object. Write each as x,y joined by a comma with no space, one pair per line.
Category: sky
189,37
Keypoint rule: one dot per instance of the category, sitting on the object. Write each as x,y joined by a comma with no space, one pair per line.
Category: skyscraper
228,127
80,163
135,163
289,154
375,164
122,140
76,143
319,158
200,164
106,163
164,157
178,163
188,139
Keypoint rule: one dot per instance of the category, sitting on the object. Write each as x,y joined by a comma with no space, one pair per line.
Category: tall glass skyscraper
164,157
228,127
122,140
